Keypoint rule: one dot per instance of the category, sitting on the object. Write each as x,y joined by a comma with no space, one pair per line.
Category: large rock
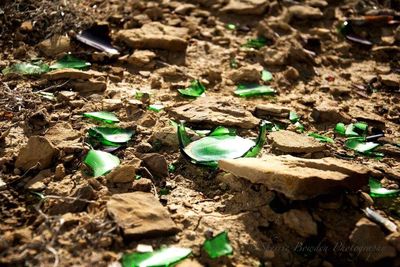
64,137
271,110
140,214
305,12
329,113
246,7
299,178
71,74
250,73
211,112
291,142
155,35
300,221
369,236
38,152
55,45
124,173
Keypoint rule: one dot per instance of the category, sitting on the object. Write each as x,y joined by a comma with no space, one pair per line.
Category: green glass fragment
34,68
249,90
362,126
164,191
350,130
218,246
256,43
103,116
230,26
358,144
71,62
266,75
113,135
171,168
220,130
233,63
195,89
321,138
376,189
299,127
293,117
164,257
255,150
208,150
101,162
156,107
340,128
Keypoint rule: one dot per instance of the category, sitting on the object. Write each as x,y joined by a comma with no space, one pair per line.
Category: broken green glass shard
208,150
195,89
220,130
101,162
233,63
249,90
156,107
256,43
164,257
103,116
34,68
266,75
299,127
376,189
358,144
218,246
230,26
321,138
293,117
109,135
71,62
361,126
350,130
340,128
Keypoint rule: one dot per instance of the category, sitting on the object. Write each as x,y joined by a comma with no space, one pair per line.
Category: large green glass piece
376,189
164,257
293,117
109,134
103,116
208,150
249,90
101,162
195,89
358,144
71,62
218,246
34,68
340,128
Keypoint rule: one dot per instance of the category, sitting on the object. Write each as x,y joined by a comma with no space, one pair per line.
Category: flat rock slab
291,142
38,152
246,7
140,214
271,110
155,35
214,112
72,74
299,178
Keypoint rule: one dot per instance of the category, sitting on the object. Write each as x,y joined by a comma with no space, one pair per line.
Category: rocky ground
301,202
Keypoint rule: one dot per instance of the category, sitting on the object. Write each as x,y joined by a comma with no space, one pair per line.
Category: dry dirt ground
56,214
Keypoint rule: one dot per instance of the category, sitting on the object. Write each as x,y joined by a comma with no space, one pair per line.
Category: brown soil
71,227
